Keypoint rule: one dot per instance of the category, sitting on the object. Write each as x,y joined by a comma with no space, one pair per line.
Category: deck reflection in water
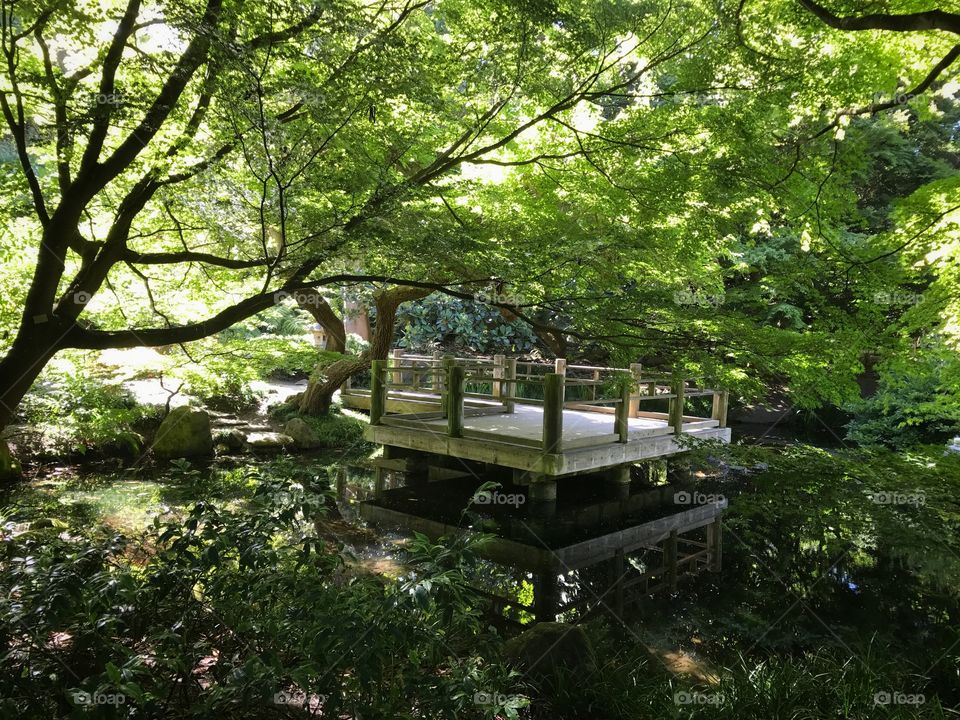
598,547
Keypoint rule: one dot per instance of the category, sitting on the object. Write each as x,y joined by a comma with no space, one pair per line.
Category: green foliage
75,413
337,430
441,321
917,401
248,600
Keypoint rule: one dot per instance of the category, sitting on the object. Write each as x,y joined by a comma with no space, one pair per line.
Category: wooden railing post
636,370
397,375
552,412
456,375
560,366
720,400
378,390
435,380
499,363
510,384
676,404
621,425
443,377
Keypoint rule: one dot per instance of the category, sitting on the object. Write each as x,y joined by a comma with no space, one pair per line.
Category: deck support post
624,410
720,400
636,371
455,381
510,384
676,404
542,490
553,413
378,391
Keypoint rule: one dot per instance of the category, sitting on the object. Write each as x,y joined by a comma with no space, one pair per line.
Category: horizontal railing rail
449,381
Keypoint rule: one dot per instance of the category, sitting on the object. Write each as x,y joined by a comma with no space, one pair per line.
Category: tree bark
318,397
20,367
318,307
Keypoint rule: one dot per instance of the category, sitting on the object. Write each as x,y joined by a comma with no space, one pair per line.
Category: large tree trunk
318,397
315,304
20,367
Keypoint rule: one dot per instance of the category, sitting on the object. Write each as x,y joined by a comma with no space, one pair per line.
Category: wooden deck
571,426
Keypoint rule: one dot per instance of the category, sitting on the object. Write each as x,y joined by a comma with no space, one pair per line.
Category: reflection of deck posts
510,386
546,597
670,559
378,390
552,413
496,387
720,400
715,544
617,571
676,404
621,424
636,370
455,380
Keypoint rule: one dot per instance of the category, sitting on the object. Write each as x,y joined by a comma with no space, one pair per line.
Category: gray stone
9,467
301,432
232,440
269,440
185,432
552,651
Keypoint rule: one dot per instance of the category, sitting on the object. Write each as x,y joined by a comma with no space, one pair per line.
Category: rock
552,651
954,446
231,440
301,432
9,467
185,432
269,440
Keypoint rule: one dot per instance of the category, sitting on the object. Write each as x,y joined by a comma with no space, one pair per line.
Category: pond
810,559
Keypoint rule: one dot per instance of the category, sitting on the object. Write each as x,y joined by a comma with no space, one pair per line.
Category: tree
157,153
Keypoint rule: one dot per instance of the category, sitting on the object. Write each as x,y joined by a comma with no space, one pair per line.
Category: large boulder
303,435
551,651
9,467
185,432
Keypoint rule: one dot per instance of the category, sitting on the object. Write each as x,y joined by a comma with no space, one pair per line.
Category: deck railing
449,378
